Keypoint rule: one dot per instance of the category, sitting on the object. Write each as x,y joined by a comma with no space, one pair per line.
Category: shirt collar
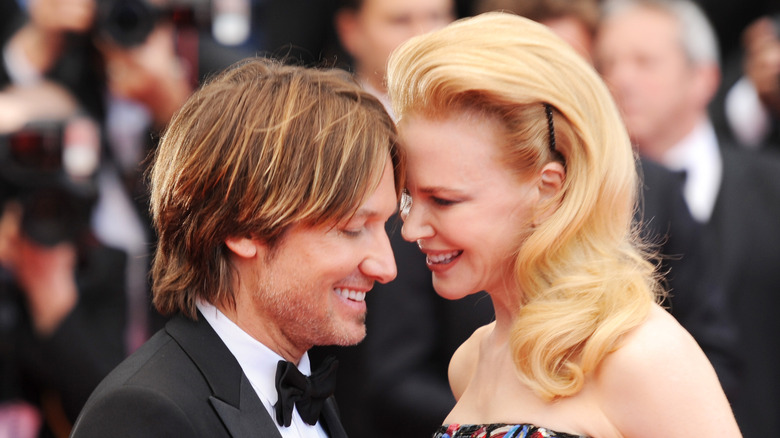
699,156
257,361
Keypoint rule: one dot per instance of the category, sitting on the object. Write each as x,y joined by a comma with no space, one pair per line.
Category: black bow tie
306,393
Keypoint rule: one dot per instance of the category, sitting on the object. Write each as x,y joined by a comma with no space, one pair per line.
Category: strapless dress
499,430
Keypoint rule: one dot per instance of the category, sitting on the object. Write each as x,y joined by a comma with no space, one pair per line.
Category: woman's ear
550,183
242,246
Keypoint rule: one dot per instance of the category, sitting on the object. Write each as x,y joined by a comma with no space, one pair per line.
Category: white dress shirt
259,364
698,155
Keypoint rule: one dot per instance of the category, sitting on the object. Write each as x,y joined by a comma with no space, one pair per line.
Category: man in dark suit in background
660,59
270,191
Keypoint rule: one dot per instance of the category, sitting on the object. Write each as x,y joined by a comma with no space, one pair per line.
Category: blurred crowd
88,86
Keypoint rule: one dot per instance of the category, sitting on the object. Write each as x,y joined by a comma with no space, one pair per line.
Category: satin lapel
233,397
250,418
330,419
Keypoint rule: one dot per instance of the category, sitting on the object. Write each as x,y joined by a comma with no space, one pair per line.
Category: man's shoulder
752,172
737,156
158,380
159,363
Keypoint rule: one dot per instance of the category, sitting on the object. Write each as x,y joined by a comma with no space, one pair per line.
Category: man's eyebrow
371,212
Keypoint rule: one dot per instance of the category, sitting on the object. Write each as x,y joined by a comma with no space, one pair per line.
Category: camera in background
128,23
49,168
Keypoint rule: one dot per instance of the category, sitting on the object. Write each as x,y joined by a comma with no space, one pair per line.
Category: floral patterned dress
498,431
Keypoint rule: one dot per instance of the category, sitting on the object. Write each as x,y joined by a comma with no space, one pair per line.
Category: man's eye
351,233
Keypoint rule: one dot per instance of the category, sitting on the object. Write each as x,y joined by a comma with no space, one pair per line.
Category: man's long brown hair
260,147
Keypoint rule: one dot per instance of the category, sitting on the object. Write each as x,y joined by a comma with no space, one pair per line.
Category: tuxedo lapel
233,397
330,419
249,418
727,224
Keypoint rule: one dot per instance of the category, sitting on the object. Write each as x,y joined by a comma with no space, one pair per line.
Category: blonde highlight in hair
583,275
257,149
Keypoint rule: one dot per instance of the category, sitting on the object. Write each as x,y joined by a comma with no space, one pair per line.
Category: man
660,59
270,191
369,30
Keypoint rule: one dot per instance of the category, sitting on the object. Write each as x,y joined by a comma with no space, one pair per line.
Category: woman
522,182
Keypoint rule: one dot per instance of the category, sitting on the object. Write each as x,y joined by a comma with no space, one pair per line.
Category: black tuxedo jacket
742,240
183,382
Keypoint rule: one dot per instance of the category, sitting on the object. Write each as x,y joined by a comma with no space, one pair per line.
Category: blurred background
88,86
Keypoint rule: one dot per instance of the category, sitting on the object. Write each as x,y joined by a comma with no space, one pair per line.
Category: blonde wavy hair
583,276
259,148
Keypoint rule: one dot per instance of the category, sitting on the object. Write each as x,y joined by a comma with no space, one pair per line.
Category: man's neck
656,147
257,327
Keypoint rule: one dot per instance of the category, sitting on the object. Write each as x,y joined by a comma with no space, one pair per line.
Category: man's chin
353,336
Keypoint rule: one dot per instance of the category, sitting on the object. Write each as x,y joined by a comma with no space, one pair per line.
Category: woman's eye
443,202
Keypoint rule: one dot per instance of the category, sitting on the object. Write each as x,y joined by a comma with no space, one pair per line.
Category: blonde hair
584,277
259,148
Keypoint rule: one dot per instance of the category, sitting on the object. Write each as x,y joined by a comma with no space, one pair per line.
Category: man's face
311,288
382,25
640,55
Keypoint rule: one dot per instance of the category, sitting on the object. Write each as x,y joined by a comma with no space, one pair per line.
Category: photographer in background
62,298
130,64
752,104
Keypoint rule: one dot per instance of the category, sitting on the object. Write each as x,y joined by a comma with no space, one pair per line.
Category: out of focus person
130,64
370,29
130,89
752,104
62,296
661,61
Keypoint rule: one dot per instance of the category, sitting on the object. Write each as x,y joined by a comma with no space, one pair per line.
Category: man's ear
706,85
242,246
346,23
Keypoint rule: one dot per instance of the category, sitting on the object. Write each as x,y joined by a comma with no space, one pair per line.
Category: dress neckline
499,430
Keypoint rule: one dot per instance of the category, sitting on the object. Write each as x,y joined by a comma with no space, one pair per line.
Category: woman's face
468,210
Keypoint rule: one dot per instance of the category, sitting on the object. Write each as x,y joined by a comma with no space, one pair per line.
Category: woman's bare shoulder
660,383
464,360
